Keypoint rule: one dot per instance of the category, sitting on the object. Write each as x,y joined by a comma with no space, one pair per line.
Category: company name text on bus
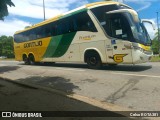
33,44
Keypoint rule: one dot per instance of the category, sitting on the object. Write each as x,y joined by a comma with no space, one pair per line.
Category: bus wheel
94,61
31,59
25,59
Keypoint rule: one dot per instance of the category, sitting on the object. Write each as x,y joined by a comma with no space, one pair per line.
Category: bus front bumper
141,56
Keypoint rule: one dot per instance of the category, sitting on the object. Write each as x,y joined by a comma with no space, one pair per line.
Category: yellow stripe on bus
147,48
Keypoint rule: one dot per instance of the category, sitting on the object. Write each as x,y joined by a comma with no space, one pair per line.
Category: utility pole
44,10
158,30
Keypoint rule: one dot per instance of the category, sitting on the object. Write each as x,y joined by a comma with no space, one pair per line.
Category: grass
155,59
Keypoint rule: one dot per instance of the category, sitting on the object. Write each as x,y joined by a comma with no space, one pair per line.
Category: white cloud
25,8
34,8
144,3
9,27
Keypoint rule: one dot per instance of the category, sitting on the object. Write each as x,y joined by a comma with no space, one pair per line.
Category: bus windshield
122,25
140,33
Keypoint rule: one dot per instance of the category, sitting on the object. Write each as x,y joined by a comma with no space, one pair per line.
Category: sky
29,12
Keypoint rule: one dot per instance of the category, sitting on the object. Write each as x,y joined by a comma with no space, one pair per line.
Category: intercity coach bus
97,33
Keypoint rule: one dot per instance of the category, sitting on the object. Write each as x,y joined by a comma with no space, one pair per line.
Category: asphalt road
20,98
134,87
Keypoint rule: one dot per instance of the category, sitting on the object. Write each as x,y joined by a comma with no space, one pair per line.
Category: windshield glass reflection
140,33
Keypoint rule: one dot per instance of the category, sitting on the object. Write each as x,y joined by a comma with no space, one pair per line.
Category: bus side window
75,27
100,12
47,30
82,22
53,29
117,27
32,35
69,26
58,29
38,32
26,36
18,37
64,26
43,31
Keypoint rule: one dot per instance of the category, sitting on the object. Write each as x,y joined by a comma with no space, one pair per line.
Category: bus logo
118,58
33,44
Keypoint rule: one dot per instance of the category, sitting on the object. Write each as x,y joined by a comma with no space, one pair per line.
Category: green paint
73,13
52,46
59,45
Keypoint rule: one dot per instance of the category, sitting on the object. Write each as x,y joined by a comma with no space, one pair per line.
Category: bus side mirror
143,21
150,22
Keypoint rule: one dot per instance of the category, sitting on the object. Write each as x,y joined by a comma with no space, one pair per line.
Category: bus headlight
138,48
148,52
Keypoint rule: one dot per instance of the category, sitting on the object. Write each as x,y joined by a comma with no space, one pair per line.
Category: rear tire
94,61
25,60
31,60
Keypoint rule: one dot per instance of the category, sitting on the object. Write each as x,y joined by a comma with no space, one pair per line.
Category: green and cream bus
97,33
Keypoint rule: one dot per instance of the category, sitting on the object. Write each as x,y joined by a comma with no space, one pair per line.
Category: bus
97,33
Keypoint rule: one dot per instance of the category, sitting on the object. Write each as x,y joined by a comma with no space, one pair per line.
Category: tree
4,8
156,44
6,46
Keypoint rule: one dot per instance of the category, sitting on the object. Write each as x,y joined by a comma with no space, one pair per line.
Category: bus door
119,31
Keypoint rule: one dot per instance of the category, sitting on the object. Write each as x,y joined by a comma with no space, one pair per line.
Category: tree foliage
6,46
4,8
156,44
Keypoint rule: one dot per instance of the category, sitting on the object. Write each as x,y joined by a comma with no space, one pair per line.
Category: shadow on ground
58,83
128,68
4,69
14,97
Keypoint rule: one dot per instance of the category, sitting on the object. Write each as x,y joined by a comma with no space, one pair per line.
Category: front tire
94,61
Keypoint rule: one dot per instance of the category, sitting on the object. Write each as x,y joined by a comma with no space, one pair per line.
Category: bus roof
77,10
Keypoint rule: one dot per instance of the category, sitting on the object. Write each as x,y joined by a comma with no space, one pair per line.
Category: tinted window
32,34
77,22
82,22
100,12
64,26
117,26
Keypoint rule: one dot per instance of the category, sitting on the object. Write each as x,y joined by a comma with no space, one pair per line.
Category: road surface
133,87
19,97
